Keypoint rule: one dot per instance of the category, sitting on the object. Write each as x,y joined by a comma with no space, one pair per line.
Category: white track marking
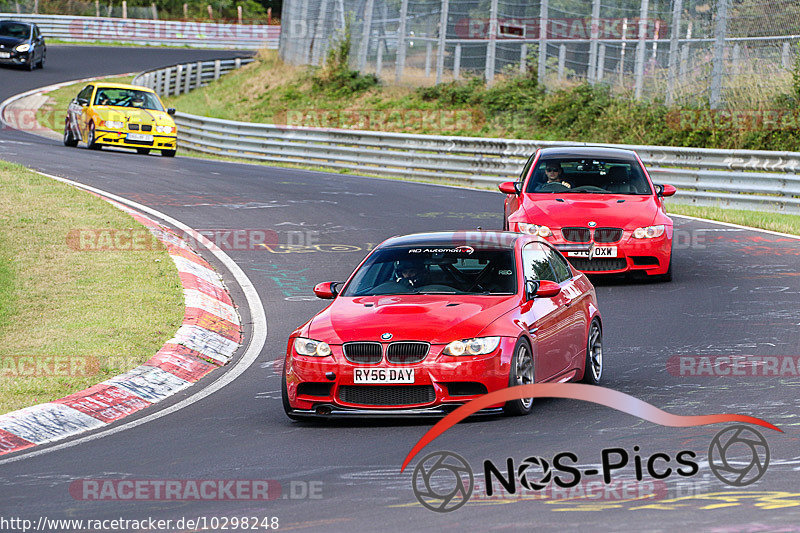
257,315
737,226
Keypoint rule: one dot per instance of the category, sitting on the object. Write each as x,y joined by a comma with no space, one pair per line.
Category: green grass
779,222
51,114
111,311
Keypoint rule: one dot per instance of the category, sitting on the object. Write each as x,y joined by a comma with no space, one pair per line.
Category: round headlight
23,47
323,350
456,348
639,233
475,346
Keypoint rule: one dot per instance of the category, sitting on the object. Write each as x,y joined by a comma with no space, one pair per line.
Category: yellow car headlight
164,129
116,124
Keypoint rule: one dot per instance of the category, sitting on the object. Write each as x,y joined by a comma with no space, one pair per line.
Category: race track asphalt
736,292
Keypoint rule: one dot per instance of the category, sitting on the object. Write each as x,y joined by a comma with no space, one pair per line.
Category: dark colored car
21,43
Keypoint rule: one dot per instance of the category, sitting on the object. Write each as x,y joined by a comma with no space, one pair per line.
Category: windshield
127,98
588,175
14,30
437,270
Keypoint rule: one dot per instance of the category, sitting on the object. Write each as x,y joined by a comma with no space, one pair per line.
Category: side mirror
668,190
327,290
82,101
531,287
665,190
171,111
509,187
548,289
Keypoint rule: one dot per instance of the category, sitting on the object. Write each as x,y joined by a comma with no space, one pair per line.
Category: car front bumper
441,384
649,256
120,138
17,58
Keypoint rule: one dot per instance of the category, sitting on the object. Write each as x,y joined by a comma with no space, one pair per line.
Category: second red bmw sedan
595,196
430,321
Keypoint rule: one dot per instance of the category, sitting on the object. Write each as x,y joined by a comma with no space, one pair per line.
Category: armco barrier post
187,78
178,80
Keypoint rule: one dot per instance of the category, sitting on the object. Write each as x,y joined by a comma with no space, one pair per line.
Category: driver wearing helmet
410,274
137,100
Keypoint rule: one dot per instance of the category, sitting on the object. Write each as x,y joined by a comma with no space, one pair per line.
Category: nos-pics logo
443,481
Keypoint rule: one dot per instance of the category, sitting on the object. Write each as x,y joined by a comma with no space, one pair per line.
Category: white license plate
599,251
5,55
140,137
383,375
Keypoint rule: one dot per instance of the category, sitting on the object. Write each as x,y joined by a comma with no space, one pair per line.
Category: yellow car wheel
91,141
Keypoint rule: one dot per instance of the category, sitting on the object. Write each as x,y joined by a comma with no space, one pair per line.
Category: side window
526,169
36,32
86,92
535,264
559,264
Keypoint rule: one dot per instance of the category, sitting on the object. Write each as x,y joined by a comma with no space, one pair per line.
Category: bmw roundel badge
386,336
592,224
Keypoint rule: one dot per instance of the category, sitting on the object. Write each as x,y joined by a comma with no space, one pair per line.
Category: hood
132,114
438,320
11,42
578,209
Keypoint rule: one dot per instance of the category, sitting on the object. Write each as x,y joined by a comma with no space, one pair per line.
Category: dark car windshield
588,175
15,30
127,98
435,270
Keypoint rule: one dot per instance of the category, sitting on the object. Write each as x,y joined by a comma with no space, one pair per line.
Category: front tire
69,137
593,366
40,64
521,374
91,141
143,151
168,153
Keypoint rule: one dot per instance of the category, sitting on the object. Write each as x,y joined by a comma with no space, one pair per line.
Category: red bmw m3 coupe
602,197
430,321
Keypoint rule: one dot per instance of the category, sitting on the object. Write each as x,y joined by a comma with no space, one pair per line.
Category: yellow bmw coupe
115,114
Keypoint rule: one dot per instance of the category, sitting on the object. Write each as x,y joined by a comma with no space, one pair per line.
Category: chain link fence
722,53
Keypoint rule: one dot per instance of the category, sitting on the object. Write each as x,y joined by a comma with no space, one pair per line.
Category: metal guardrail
154,32
744,179
179,79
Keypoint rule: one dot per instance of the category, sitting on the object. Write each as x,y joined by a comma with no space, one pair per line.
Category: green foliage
796,73
336,79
